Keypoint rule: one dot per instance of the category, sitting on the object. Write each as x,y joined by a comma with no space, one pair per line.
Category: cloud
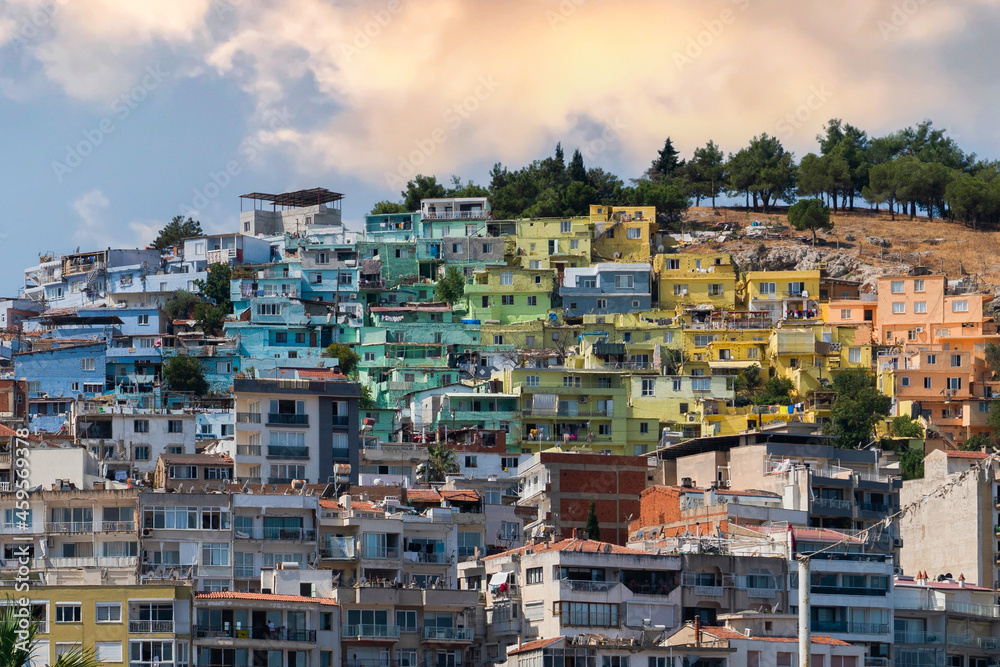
95,231
444,86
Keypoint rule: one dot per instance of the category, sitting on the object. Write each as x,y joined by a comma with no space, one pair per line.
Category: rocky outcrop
838,264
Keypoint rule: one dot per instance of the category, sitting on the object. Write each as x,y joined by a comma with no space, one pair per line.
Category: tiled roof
264,597
461,495
423,495
7,431
319,373
533,645
356,504
196,459
967,455
729,633
574,545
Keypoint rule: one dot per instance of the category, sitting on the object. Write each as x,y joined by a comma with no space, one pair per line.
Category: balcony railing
388,553
851,628
447,634
833,503
959,640
370,631
248,450
150,627
285,419
919,637
588,586
247,417
986,610
70,527
265,634
340,420
286,452
340,548
847,590
118,526
277,534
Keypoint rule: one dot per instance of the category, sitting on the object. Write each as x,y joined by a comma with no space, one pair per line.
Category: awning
499,578
543,401
733,364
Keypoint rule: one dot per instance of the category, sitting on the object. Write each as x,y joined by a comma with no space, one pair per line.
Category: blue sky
119,114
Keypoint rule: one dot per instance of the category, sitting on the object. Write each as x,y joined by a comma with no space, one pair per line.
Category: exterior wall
57,370
579,299
690,279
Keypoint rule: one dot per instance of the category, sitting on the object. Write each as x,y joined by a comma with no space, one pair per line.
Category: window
701,384
675,384
787,659
74,386
624,282
796,288
471,461
269,309
175,426
956,360
532,381
571,381
68,613
898,308
932,359
588,614
498,339
767,288
183,472
927,383
984,406
588,283
845,314
716,289
904,381
680,290
643,427
854,355
87,363
215,553
281,337
897,287
108,652
634,233
532,300
602,304
565,227
959,306
143,319
109,612
648,387
142,453
487,248
406,619
506,299
529,341
507,278
574,245
456,248
955,383
140,426
93,387
657,662
533,575
614,661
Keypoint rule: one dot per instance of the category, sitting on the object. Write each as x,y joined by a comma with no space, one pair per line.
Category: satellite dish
659,248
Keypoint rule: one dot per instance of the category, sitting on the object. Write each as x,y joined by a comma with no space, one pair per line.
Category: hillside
851,250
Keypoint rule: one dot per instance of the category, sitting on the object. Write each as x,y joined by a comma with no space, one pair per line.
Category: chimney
961,580
697,631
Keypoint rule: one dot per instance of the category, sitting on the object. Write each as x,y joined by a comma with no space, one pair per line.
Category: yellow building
553,243
622,233
140,626
786,295
694,279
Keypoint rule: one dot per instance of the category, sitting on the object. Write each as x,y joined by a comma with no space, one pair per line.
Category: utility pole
805,638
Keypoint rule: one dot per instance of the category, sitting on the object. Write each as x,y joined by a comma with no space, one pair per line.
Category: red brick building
560,486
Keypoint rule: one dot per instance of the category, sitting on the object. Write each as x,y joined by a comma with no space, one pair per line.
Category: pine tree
593,529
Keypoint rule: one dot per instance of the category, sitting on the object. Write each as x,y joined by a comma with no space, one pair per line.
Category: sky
118,115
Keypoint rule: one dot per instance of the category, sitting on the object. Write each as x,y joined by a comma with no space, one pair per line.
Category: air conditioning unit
583,399
919,329
897,542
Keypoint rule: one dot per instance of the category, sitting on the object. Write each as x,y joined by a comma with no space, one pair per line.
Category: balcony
339,420
462,635
287,419
370,632
833,504
959,640
340,548
150,627
264,634
850,628
70,527
118,526
220,256
587,586
919,637
847,590
248,450
286,452
247,417
388,553
270,534
984,610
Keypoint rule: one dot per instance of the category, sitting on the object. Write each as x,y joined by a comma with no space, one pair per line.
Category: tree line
915,170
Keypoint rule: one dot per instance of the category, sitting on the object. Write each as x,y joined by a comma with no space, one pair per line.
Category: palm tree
440,462
15,649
